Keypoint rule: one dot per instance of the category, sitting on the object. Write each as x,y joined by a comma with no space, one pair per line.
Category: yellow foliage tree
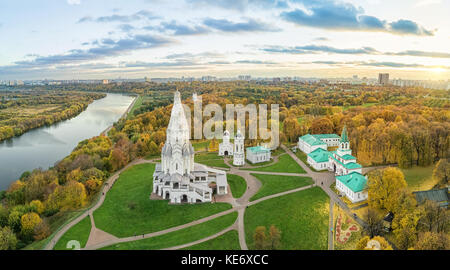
29,222
384,187
38,205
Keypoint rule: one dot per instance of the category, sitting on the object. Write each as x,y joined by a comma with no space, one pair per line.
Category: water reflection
44,146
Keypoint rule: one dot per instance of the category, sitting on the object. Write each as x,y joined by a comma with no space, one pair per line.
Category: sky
109,39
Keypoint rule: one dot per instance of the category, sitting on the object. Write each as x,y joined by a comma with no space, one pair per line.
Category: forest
387,125
21,111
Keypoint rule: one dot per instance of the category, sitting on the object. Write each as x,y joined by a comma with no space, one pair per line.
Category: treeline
22,113
407,135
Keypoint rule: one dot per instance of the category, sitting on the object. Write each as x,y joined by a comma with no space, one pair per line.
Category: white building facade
239,152
226,148
258,154
177,178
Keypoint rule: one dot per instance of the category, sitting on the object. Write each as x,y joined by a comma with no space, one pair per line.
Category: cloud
126,28
181,30
103,49
376,64
140,15
313,49
250,25
240,5
330,14
73,2
405,27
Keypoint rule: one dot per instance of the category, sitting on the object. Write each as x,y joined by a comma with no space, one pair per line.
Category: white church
177,178
236,149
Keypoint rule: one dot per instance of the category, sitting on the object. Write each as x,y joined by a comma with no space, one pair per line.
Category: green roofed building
319,159
258,154
308,143
440,196
353,185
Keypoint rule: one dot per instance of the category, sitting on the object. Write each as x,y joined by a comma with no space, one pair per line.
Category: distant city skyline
99,39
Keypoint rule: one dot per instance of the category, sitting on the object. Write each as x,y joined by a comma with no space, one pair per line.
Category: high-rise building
383,78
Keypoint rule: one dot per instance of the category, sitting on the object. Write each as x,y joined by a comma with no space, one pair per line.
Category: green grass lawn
237,184
284,164
273,184
227,241
419,178
128,210
180,237
136,105
198,146
79,232
211,159
302,217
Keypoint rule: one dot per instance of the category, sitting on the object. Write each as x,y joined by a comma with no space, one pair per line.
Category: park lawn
285,164
238,185
273,184
136,106
79,232
200,145
180,237
227,241
128,210
419,178
302,218
210,159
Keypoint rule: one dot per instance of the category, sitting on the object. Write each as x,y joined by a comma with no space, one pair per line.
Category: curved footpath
99,239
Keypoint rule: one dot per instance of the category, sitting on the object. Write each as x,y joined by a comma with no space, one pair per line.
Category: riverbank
124,115
43,147
28,111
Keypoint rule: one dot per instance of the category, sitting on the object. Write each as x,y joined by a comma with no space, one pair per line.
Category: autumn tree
374,222
29,222
67,197
441,173
434,218
42,230
260,237
8,239
384,186
274,237
322,126
38,206
432,241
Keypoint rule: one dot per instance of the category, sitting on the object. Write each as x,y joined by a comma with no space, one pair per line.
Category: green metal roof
348,157
350,165
319,155
311,140
437,195
326,136
355,181
258,149
344,136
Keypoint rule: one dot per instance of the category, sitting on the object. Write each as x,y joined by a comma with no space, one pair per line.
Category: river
43,147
